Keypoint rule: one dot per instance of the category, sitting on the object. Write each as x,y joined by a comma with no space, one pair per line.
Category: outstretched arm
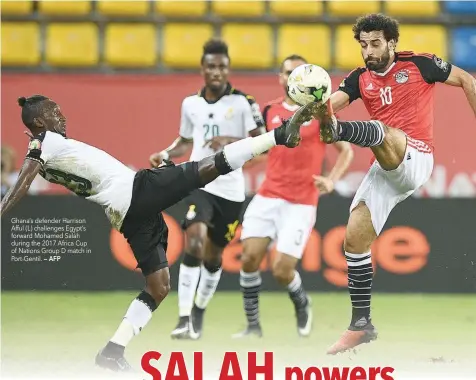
27,174
339,100
177,149
461,78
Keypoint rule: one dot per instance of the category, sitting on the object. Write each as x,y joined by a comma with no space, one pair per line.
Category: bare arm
27,174
461,78
344,159
339,100
177,149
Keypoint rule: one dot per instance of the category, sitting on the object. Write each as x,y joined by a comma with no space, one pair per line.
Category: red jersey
402,97
289,171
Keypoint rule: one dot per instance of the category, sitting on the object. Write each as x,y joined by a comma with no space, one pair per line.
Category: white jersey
88,172
235,114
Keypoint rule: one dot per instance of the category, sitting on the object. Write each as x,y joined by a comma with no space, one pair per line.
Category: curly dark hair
215,46
377,22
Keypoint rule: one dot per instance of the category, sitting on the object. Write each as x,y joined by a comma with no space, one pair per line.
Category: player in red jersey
397,89
285,209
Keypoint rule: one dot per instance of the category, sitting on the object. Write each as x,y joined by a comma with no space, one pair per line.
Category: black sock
362,133
360,273
250,286
297,293
279,134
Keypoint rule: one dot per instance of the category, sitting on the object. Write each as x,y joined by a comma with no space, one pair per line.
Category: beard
377,64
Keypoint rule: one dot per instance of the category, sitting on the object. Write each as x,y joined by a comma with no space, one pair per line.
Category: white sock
137,316
187,285
239,152
296,283
207,287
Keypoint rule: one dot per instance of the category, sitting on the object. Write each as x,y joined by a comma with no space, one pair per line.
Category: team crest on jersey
229,114
191,214
402,76
440,63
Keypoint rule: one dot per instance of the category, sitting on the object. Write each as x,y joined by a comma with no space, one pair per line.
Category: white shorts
382,190
288,223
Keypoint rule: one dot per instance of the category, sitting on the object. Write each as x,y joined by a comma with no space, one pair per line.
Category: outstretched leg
387,144
236,154
146,232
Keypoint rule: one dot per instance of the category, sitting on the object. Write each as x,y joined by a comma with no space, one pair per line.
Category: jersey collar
386,71
228,91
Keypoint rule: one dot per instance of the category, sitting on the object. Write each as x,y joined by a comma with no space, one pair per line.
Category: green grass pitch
418,334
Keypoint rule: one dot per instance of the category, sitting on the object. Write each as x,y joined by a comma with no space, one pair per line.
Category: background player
218,115
133,201
397,90
285,208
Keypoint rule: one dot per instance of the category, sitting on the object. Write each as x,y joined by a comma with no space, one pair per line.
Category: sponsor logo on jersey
191,214
370,86
402,76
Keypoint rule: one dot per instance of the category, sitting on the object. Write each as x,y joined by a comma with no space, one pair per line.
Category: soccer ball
309,83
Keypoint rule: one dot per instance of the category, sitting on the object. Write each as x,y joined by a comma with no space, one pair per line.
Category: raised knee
195,246
160,291
250,261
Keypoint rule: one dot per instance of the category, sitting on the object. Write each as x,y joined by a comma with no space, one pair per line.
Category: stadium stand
249,45
296,8
181,8
20,44
461,7
63,8
423,38
412,8
347,54
352,8
237,8
131,45
72,44
163,34
16,7
183,42
128,8
464,47
296,39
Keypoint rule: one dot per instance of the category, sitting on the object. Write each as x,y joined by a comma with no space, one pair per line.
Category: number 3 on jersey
386,95
211,131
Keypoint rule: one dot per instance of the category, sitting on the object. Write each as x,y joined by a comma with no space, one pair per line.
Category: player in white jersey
133,201
214,117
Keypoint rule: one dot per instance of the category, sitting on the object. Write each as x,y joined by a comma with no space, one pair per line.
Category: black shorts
144,227
219,214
